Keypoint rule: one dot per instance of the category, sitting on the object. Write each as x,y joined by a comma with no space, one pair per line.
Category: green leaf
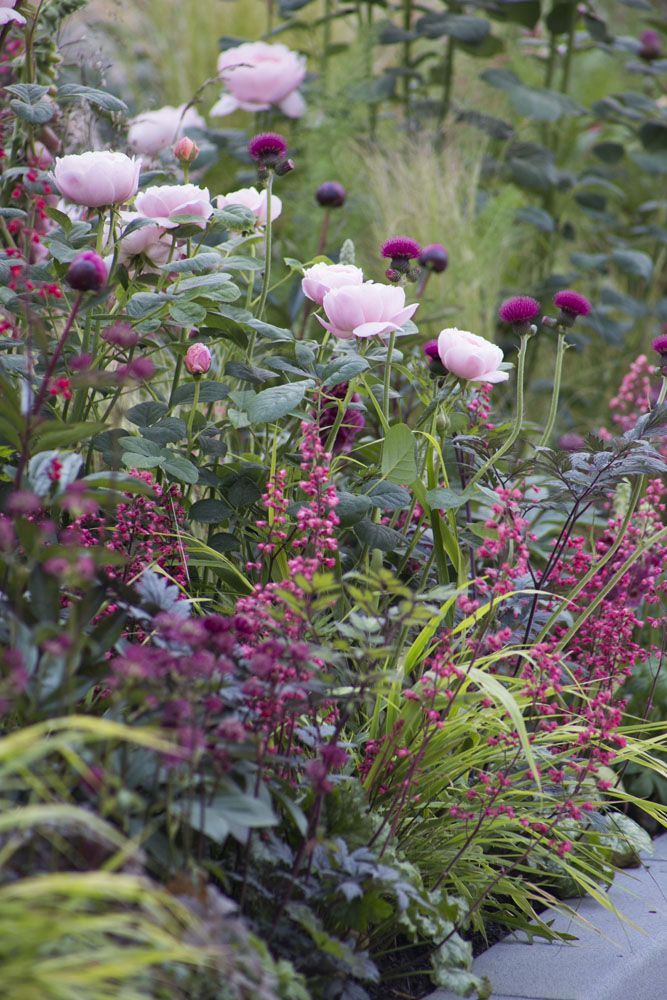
379,536
187,314
209,511
248,373
144,303
181,469
276,402
653,136
139,446
342,370
145,414
209,392
236,217
398,455
352,507
34,114
202,263
442,498
388,496
633,262
462,27
98,98
54,434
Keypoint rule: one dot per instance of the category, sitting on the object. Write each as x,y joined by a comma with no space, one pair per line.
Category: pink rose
258,75
366,310
7,14
470,357
322,278
169,200
153,131
254,200
150,240
198,359
97,179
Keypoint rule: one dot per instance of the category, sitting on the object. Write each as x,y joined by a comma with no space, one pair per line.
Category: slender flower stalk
267,249
555,394
387,375
193,410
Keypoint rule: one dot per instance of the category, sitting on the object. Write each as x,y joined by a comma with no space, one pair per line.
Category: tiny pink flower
198,359
470,357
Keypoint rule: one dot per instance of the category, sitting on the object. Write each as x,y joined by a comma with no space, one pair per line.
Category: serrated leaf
388,496
145,414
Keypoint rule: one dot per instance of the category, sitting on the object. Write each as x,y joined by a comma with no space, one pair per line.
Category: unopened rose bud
87,272
198,359
186,150
331,194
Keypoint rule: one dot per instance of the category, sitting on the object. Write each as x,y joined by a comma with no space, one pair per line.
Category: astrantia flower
352,424
366,310
434,257
258,75
267,147
470,357
520,309
572,302
571,442
400,248
651,45
660,345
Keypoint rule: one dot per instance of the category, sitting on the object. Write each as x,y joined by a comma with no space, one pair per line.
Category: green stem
326,43
193,410
267,250
518,419
387,375
340,416
555,394
567,63
447,81
407,56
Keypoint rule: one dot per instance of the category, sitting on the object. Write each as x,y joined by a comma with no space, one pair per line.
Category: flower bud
186,150
285,167
331,194
198,359
434,258
87,272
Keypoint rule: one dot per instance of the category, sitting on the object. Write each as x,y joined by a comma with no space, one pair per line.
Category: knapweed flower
331,194
168,201
400,248
571,305
97,179
434,258
258,75
8,14
87,272
660,346
470,357
267,148
366,310
519,310
153,131
322,278
198,359
254,200
650,45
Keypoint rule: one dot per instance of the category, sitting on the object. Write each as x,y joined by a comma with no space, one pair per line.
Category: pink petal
226,105
293,105
464,363
492,377
374,329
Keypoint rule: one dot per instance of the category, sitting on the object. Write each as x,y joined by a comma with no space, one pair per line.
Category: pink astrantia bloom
322,278
98,178
254,200
258,76
366,310
470,357
198,359
8,14
153,131
168,201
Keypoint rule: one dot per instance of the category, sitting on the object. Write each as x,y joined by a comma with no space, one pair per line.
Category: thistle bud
87,272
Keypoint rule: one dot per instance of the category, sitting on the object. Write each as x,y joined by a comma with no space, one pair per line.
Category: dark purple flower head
520,309
571,442
660,345
87,272
400,248
434,257
267,147
353,419
651,45
430,349
331,194
572,302
121,335
139,369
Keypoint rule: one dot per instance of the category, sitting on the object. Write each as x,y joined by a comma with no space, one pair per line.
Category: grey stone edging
610,960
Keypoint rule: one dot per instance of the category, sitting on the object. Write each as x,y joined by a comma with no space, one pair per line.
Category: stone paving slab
611,958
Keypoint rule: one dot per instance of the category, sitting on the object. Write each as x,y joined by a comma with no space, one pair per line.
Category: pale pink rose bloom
198,359
164,202
7,13
470,357
366,310
322,278
254,200
153,131
151,241
97,179
258,75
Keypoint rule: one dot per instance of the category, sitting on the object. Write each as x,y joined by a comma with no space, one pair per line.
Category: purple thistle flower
400,248
651,45
434,257
572,303
267,147
353,420
120,335
660,345
571,442
87,272
430,349
331,194
519,309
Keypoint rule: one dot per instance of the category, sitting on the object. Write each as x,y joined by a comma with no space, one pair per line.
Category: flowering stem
553,409
193,410
663,392
387,375
324,231
518,419
267,250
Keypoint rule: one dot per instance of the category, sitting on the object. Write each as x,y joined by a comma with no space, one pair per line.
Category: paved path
611,960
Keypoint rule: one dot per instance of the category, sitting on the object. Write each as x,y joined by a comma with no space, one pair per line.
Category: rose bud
198,359
87,272
186,150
